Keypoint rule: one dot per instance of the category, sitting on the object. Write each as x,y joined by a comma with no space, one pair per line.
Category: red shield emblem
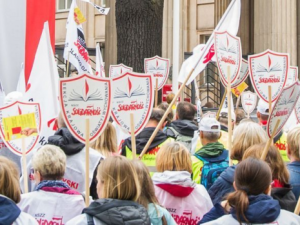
228,54
118,70
249,100
268,68
19,120
159,68
85,97
132,93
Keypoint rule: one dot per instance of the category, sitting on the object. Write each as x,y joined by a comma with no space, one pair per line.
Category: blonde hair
245,135
50,162
119,179
9,180
173,156
106,143
273,158
170,98
293,139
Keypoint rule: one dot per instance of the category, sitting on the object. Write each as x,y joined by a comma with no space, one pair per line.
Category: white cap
263,107
210,125
13,97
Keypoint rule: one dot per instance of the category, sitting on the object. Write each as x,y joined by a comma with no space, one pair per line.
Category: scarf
51,183
211,150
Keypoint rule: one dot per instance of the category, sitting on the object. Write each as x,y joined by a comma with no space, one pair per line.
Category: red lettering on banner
82,51
132,106
269,80
158,75
54,221
86,112
228,60
281,113
71,183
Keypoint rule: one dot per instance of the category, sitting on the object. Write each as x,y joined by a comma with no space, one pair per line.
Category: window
63,5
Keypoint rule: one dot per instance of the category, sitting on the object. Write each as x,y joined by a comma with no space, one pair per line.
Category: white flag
2,96
100,9
43,85
229,22
21,87
225,107
75,46
99,62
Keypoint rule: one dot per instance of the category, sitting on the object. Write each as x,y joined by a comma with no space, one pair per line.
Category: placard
237,91
297,110
249,101
84,97
159,68
244,72
118,70
19,120
132,93
292,75
268,68
283,107
228,54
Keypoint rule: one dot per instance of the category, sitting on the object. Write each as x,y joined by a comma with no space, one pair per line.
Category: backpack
212,168
185,140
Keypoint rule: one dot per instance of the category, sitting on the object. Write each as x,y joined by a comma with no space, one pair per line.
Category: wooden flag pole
221,105
165,115
133,142
297,209
248,113
266,149
270,98
68,63
238,101
87,161
229,113
24,165
156,92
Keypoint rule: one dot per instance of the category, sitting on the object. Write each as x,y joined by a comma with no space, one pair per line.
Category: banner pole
87,161
238,101
221,105
133,142
229,113
68,63
270,98
24,165
156,92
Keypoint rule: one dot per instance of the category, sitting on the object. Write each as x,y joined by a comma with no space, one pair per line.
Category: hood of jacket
262,209
117,212
228,174
177,183
285,197
184,127
9,211
65,140
142,139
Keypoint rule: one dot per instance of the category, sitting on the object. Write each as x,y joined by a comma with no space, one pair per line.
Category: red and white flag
99,62
229,22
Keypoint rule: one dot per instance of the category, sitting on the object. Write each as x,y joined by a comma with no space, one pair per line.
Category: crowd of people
183,178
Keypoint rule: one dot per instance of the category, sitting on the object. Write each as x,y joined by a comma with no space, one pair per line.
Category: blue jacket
223,185
294,169
9,211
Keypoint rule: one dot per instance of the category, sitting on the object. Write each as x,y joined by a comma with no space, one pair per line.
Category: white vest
284,218
25,218
51,207
75,170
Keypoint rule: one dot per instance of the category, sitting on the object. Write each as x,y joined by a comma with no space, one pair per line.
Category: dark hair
164,106
239,115
186,111
252,177
157,114
208,105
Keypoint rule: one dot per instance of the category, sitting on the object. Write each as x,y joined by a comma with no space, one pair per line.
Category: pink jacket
185,200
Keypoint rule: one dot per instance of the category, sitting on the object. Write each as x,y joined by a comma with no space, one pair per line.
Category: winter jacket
11,214
262,209
113,212
294,170
185,200
156,214
285,197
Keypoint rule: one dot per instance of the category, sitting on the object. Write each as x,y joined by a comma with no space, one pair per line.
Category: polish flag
99,62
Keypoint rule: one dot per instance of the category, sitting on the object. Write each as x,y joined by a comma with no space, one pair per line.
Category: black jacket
285,197
118,212
183,127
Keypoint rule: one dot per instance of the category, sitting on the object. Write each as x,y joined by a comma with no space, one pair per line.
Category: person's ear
37,177
234,186
163,125
258,115
220,135
268,191
201,134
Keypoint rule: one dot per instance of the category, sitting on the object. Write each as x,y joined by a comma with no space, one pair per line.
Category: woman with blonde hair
10,195
53,200
186,201
119,190
244,135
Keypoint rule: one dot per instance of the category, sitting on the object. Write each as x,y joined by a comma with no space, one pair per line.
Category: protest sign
242,76
297,110
237,91
209,115
249,100
292,75
118,70
266,69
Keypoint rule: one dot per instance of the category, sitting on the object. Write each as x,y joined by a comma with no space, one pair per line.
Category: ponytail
239,201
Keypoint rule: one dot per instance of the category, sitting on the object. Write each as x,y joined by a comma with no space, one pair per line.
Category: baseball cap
263,107
210,125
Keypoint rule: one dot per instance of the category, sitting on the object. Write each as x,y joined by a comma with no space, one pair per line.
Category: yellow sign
16,126
239,89
78,16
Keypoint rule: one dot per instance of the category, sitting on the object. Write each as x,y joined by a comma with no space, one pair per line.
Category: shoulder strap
90,220
174,131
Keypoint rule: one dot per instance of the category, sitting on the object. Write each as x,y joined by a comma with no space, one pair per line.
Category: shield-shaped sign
244,72
283,107
19,120
132,93
228,54
118,70
249,100
210,115
84,97
268,69
159,68
292,76
297,110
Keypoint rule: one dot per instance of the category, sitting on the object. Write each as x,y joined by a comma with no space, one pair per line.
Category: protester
183,198
212,156
142,138
293,148
106,143
118,190
239,116
158,215
244,135
280,139
164,106
183,127
281,189
10,195
250,203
